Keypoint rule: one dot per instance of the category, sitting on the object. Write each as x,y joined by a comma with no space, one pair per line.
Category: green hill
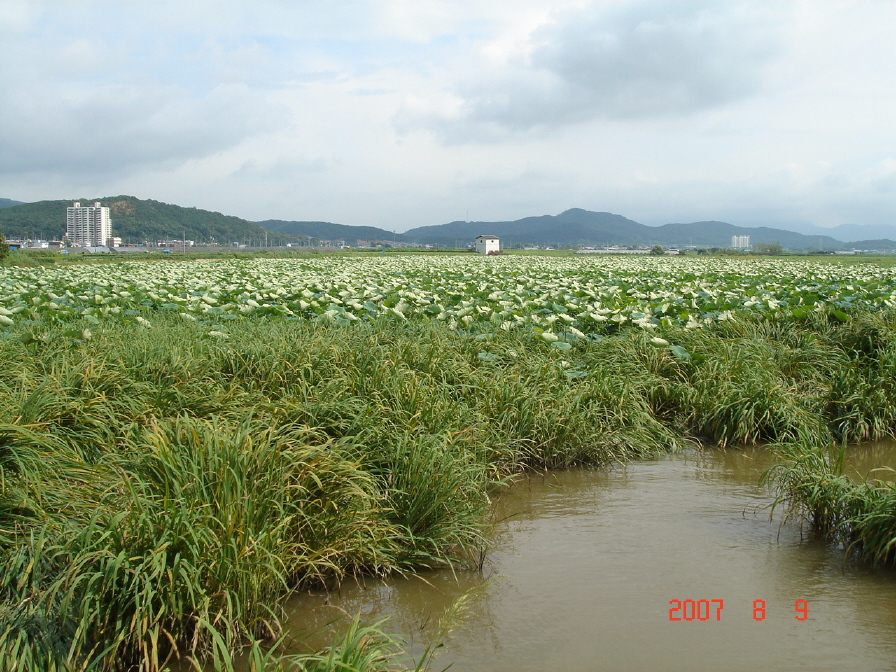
571,227
352,235
8,202
135,221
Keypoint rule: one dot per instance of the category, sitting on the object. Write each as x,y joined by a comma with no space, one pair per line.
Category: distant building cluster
740,242
88,226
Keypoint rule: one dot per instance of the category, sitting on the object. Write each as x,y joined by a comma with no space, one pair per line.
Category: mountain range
136,220
844,232
583,227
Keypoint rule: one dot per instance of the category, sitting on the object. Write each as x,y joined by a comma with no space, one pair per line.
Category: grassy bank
163,488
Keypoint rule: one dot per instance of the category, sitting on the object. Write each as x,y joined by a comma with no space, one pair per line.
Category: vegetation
810,482
165,481
768,249
567,298
351,235
135,221
861,403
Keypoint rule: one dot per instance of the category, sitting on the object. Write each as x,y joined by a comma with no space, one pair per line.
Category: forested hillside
135,221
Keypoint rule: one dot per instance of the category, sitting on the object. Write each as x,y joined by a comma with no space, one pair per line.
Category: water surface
585,563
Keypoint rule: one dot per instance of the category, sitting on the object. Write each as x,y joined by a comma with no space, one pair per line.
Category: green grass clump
861,516
199,529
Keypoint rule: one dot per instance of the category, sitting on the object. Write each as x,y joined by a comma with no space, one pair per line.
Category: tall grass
860,516
163,489
201,527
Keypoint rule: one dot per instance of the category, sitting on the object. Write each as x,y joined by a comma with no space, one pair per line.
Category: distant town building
740,242
87,226
113,242
488,244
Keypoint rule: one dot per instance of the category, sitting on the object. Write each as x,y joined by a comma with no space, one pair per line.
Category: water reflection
585,563
872,461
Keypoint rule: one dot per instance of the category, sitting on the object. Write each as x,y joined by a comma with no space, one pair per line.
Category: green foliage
657,251
352,235
163,487
768,249
811,484
135,221
361,648
562,299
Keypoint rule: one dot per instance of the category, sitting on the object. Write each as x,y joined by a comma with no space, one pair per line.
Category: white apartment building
740,242
87,226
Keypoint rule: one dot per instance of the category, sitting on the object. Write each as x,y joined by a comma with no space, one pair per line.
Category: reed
162,489
362,648
810,483
201,528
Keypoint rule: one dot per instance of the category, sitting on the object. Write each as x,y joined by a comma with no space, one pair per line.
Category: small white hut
487,244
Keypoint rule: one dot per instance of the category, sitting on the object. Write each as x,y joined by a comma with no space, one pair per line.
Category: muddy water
585,564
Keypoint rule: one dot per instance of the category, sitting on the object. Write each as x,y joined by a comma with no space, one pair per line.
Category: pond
589,568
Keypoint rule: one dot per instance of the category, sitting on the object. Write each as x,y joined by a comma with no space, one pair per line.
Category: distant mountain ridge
845,232
8,202
137,220
571,227
584,227
351,235
574,227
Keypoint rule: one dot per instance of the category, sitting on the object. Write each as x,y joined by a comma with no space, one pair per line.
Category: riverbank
585,566
166,486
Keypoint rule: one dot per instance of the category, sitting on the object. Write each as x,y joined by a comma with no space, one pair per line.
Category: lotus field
556,298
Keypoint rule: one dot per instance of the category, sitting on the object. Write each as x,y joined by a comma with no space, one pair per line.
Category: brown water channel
586,562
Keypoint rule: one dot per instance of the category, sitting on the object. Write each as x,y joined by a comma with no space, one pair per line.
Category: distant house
488,244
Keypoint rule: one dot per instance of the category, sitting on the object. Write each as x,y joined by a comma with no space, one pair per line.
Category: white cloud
284,167
406,112
618,61
123,128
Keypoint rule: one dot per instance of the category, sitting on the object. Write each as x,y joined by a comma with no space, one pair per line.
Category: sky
404,113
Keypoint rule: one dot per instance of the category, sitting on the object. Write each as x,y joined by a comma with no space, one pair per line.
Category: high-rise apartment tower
87,226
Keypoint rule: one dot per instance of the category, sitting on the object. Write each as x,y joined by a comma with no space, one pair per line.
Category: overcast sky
401,113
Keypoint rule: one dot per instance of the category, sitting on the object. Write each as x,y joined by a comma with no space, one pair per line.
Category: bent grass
158,501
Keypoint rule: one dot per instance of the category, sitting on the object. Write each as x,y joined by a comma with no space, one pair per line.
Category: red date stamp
711,610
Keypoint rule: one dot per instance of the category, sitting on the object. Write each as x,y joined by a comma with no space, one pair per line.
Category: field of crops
565,297
183,443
